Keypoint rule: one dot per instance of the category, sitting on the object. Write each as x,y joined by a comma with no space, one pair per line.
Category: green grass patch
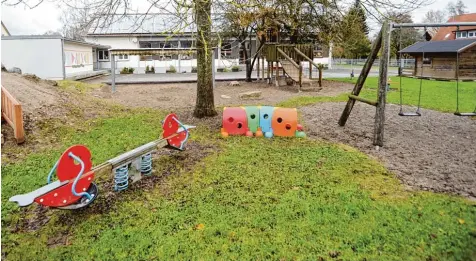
436,95
308,100
78,86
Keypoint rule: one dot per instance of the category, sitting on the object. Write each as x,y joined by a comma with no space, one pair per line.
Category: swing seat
465,113
409,113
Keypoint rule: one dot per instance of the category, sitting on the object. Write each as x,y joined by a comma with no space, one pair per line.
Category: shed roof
454,46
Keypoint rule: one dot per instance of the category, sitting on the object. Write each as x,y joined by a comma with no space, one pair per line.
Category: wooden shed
454,59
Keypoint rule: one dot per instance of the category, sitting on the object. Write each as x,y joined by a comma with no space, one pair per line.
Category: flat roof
27,37
448,46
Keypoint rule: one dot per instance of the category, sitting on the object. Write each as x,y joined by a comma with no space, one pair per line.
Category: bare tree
433,16
76,22
457,8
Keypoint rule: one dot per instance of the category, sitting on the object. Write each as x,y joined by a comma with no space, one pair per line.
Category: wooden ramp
290,70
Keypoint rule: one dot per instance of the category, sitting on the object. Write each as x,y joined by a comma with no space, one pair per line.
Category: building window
472,34
427,60
464,34
103,55
122,57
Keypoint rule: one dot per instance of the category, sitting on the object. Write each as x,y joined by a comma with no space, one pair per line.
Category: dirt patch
436,151
183,95
32,92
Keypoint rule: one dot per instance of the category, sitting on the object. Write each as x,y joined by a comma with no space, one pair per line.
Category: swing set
383,42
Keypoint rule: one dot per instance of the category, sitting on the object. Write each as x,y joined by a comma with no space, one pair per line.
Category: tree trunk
205,105
245,58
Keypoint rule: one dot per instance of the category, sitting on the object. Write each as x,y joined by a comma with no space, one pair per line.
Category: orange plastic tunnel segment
284,122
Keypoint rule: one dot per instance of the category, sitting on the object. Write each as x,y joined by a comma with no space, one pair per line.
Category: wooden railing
13,114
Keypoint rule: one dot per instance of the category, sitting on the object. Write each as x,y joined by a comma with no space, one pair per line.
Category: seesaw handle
27,199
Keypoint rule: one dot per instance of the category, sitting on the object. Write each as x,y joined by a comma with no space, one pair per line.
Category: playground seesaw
75,189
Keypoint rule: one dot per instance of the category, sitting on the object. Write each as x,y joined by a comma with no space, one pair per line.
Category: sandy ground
183,95
434,152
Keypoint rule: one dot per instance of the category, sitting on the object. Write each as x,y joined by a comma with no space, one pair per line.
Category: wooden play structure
13,114
382,44
286,60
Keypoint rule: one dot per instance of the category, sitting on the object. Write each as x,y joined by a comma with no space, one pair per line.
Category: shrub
226,70
147,68
152,69
172,69
125,70
131,70
235,68
194,69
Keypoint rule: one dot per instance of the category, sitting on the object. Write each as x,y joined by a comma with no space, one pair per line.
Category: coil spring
146,164
121,178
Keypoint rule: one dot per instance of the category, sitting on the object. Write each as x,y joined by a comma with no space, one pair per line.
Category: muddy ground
436,151
183,95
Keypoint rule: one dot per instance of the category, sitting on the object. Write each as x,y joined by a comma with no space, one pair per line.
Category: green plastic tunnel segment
252,113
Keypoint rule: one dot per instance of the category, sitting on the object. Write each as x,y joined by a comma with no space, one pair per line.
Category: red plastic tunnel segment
235,120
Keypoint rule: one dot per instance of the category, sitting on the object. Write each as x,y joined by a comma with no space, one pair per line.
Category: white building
158,31
50,56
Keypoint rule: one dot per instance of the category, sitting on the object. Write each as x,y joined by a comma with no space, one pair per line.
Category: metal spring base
146,164
121,178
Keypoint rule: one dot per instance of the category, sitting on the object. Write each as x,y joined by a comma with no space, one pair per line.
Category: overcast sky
21,20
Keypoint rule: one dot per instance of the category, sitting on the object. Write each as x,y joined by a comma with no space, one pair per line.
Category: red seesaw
75,189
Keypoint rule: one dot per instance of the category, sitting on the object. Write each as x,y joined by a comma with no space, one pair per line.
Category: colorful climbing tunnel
260,121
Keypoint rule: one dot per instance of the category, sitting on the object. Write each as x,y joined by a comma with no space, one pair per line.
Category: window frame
103,53
120,57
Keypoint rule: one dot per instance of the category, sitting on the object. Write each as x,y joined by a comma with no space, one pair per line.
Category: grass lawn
253,199
436,95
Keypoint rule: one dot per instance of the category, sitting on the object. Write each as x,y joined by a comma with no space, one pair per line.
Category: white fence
341,63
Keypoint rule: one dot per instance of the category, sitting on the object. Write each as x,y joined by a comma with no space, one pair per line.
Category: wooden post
113,75
272,65
310,71
363,76
257,71
382,88
262,66
320,74
19,131
300,77
268,73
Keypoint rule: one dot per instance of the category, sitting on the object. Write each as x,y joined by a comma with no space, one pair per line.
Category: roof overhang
59,37
152,51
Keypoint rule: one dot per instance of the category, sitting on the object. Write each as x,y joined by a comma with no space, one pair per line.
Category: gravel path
183,95
434,152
